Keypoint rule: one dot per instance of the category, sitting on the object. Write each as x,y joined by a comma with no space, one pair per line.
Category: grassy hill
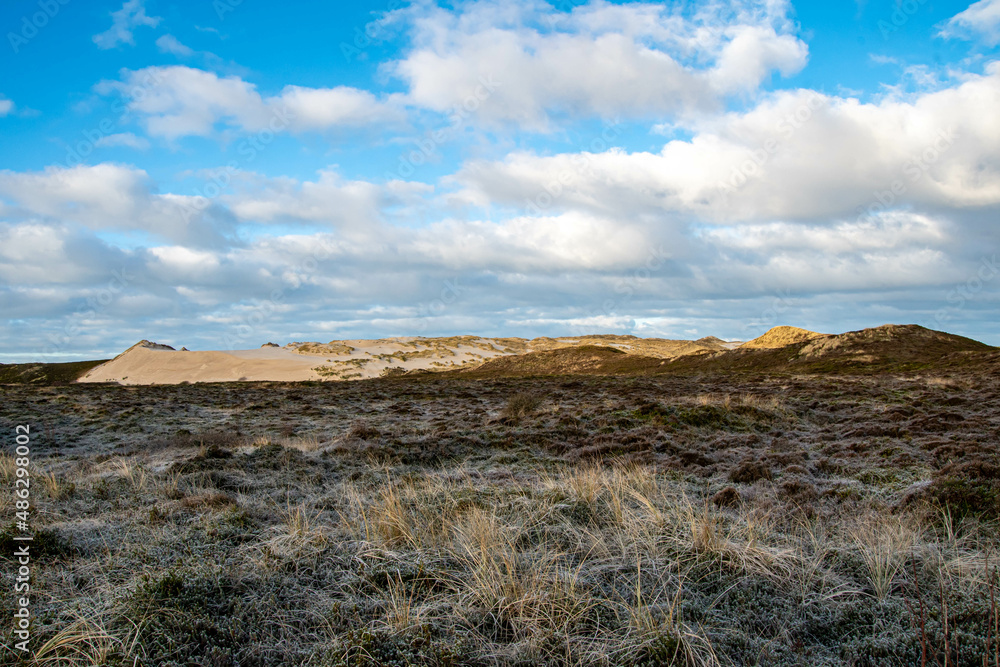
889,348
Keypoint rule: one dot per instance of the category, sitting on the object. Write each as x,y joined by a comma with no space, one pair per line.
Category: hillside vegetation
581,519
45,374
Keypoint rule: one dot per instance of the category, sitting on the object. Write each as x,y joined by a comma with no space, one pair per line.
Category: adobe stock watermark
562,9
249,148
627,287
451,291
913,170
371,34
110,125
32,24
249,324
24,536
900,16
223,7
581,162
968,291
458,117
769,316
757,158
94,305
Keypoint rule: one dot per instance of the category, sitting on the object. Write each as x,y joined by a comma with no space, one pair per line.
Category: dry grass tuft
520,405
884,542
132,471
88,642
8,467
300,535
57,488
507,590
658,629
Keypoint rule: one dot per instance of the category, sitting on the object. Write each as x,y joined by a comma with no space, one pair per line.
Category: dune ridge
782,349
147,362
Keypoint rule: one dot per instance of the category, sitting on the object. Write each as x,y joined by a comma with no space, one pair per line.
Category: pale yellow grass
132,471
884,542
524,590
300,534
88,642
56,487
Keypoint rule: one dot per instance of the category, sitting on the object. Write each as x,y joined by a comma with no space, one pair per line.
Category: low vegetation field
589,520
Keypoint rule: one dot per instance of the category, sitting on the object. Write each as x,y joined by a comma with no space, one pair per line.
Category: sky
220,174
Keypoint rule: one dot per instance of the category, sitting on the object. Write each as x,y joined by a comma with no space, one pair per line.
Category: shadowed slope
890,347
44,374
582,360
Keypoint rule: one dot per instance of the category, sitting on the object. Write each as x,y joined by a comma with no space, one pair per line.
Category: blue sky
221,174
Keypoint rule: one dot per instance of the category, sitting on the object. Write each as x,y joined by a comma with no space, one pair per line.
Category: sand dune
152,363
144,365
782,348
780,337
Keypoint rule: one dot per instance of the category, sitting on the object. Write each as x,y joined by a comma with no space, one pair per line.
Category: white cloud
797,155
880,59
123,22
980,21
126,139
569,242
108,196
599,59
320,108
751,54
882,232
180,101
6,106
348,205
170,44
185,260
53,254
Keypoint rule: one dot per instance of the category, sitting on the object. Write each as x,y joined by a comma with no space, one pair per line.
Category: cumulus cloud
573,241
110,197
980,21
132,15
6,106
350,206
321,108
891,250
797,154
36,253
523,64
180,101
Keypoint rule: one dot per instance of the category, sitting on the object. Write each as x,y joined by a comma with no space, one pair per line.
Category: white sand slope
152,363
143,365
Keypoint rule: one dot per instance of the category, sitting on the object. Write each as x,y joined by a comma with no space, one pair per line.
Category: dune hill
783,349
890,347
887,348
152,363
780,337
